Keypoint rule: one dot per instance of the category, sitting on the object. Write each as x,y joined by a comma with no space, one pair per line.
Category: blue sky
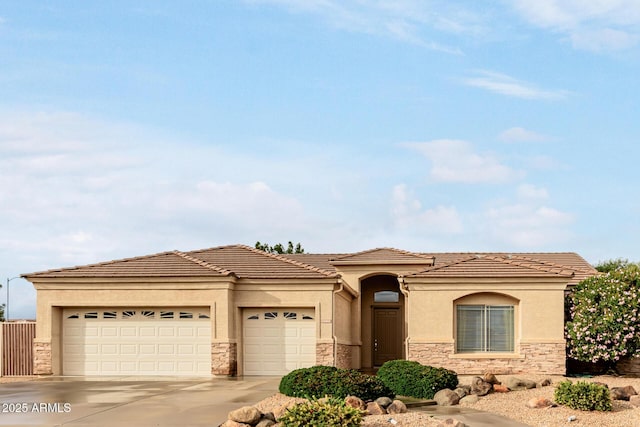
135,127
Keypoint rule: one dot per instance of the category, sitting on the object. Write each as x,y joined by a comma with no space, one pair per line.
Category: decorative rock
446,397
452,422
622,393
490,378
384,401
246,414
519,384
282,409
539,402
545,382
460,392
635,401
465,387
231,423
470,399
480,387
355,402
374,409
499,388
269,416
266,422
397,407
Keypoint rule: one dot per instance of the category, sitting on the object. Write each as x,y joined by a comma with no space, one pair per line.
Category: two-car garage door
136,341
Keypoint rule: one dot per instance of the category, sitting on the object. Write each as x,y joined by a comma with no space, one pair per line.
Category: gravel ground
512,405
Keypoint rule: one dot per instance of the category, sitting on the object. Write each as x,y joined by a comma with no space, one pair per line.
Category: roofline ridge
281,257
555,264
449,264
525,262
402,251
204,263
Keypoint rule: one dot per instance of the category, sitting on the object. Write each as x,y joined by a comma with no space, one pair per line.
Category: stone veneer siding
533,358
324,354
42,362
224,358
344,352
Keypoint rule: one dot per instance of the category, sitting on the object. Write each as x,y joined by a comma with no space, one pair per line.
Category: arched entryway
383,326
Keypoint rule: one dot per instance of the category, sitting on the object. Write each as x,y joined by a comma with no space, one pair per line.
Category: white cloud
509,86
528,223
518,134
591,25
407,213
404,20
456,161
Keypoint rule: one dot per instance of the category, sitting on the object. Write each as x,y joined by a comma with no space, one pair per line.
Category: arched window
386,296
485,323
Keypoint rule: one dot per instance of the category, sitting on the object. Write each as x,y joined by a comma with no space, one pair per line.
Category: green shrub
332,413
583,395
408,378
320,381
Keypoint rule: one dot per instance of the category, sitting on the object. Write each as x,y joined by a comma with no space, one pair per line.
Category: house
236,310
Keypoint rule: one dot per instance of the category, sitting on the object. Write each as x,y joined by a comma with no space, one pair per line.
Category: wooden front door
387,335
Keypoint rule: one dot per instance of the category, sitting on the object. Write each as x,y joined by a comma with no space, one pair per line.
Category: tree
278,248
615,264
604,312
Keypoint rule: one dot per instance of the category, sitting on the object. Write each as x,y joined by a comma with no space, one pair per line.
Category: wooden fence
16,345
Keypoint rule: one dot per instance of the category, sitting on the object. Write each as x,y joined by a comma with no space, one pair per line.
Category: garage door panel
136,341
278,340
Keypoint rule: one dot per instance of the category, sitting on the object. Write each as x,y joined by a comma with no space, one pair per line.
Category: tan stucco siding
539,309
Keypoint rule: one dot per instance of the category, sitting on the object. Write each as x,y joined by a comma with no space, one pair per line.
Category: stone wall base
539,358
345,356
42,361
224,358
324,354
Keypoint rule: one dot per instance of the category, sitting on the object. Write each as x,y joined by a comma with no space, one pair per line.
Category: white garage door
278,340
132,341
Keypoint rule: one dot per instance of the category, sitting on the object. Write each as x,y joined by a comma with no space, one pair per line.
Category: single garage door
278,340
136,341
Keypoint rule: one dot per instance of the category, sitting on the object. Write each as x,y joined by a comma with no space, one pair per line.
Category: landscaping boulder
375,409
490,378
622,393
396,407
519,384
539,402
499,388
266,422
231,423
355,402
446,397
452,422
383,401
545,382
461,392
480,387
282,409
247,415
470,399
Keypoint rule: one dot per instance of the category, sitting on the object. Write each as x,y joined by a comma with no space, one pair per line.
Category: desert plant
319,381
330,413
583,395
409,378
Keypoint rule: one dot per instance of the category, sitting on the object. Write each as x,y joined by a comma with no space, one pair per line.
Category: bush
408,378
332,413
320,381
583,395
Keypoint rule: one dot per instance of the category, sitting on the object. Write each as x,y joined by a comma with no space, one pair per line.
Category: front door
387,335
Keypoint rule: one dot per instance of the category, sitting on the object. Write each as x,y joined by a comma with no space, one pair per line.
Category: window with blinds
484,328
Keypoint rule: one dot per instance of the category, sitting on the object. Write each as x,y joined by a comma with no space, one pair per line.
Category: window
484,328
91,315
290,315
270,315
166,314
128,314
386,296
109,315
186,315
253,317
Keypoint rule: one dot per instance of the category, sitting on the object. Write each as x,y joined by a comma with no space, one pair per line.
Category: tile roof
165,264
495,266
386,255
246,262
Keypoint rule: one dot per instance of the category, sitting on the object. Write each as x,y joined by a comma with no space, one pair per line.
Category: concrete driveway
129,401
